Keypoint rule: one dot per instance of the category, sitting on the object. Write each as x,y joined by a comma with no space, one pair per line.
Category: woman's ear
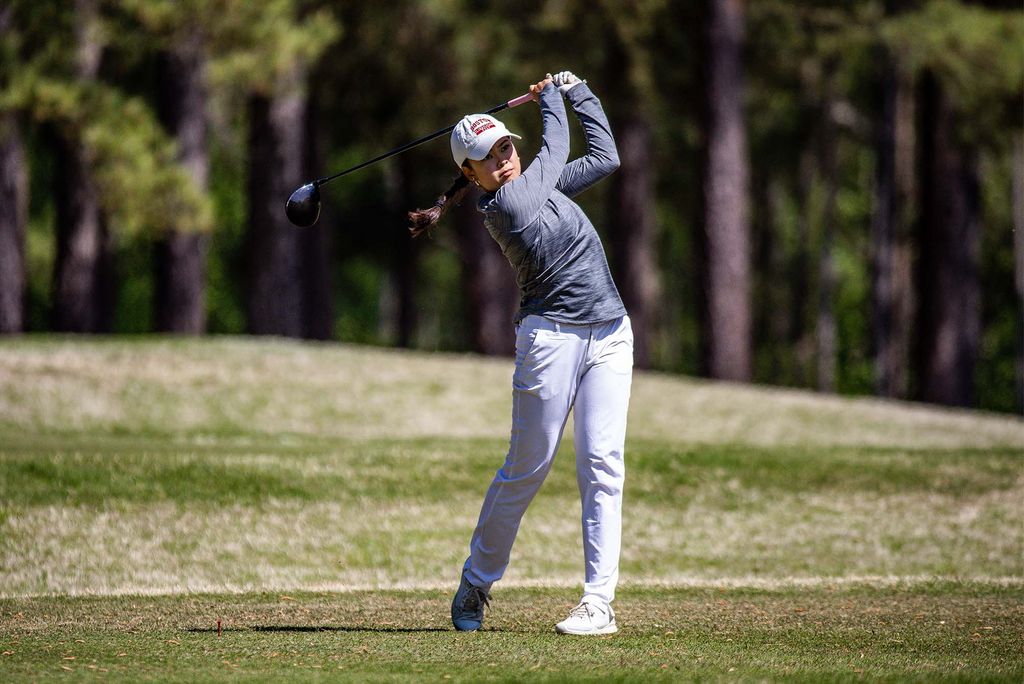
468,173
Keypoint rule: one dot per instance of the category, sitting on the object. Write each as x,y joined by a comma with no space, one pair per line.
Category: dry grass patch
137,548
229,386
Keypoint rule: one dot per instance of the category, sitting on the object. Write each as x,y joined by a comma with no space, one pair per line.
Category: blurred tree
971,84
13,219
630,84
276,144
318,312
828,164
179,304
805,69
406,252
632,230
492,296
785,91
115,177
949,289
676,102
345,116
13,189
361,118
726,230
83,282
263,56
1018,261
892,221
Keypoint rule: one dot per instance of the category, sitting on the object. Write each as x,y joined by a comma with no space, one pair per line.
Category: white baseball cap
475,135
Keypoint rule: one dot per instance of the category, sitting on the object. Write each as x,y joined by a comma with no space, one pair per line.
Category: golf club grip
522,99
515,102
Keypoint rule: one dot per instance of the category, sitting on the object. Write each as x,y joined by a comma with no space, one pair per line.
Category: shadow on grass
315,628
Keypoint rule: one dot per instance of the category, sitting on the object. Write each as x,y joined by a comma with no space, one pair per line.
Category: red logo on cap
481,125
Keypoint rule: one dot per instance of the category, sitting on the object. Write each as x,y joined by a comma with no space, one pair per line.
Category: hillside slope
242,385
169,466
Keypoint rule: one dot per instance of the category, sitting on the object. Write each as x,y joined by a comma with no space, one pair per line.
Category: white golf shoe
589,618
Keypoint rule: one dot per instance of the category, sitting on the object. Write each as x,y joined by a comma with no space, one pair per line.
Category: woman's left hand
539,86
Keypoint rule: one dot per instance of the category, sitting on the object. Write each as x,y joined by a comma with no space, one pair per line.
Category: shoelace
474,597
584,609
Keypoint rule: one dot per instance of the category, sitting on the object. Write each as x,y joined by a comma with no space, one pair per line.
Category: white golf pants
562,367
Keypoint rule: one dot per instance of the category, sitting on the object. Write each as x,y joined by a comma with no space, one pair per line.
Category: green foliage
142,189
1001,322
167,18
253,45
250,44
978,55
224,262
141,186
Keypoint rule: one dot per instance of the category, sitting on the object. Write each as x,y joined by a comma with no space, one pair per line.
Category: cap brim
486,141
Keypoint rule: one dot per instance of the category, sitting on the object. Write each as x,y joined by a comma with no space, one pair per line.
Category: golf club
303,206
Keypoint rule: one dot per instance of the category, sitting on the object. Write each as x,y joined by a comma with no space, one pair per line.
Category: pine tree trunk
318,309
274,303
488,285
406,261
948,281
701,280
826,328
631,229
13,220
317,294
180,288
1018,254
725,191
801,302
891,279
771,320
83,283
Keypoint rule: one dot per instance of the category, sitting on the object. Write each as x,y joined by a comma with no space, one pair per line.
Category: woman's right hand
539,86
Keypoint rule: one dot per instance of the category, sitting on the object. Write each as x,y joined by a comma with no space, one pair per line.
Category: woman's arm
601,157
521,199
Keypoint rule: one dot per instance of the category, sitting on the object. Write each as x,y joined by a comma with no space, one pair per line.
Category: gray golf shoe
468,606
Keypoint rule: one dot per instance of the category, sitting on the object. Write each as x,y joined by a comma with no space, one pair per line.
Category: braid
422,220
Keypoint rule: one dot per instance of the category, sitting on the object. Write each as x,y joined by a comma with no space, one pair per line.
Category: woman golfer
574,344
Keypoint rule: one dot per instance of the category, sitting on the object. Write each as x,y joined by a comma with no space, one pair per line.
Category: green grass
932,632
149,487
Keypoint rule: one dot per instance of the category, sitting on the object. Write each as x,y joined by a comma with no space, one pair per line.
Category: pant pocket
617,351
537,361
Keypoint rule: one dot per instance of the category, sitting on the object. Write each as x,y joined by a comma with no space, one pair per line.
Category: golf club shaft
419,141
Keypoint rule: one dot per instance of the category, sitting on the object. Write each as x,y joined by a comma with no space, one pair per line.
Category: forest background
812,194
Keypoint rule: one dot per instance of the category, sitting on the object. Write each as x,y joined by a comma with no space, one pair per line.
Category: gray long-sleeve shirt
552,246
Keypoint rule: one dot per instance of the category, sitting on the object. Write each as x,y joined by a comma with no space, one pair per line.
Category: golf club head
303,207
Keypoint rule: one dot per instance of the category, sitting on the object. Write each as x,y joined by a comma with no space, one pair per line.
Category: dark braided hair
422,220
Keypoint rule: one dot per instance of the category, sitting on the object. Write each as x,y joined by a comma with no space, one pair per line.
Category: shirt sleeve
601,158
521,199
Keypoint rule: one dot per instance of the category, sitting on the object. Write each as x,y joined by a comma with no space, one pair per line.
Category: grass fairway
318,501
930,631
